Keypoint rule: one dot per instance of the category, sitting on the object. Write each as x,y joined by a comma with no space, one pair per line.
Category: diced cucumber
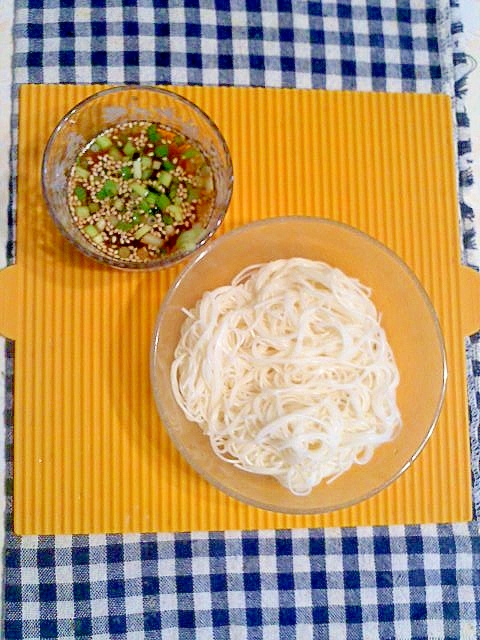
82,212
187,240
80,172
115,153
141,231
139,188
129,149
91,231
161,151
103,142
164,178
176,212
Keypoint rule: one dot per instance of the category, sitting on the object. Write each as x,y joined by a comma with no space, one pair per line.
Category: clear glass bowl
113,107
409,320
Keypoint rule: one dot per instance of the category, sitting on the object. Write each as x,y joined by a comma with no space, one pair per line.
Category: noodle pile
288,372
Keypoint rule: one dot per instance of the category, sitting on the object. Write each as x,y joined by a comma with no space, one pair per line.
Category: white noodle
288,372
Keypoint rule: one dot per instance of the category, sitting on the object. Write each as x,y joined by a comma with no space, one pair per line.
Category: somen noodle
289,372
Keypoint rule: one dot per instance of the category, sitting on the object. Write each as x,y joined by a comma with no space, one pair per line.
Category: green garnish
125,226
164,178
110,188
163,201
190,153
91,231
81,193
161,151
139,188
103,142
187,240
152,133
193,194
126,173
129,149
124,253
115,153
80,172
82,212
138,217
167,165
151,199
139,233
176,212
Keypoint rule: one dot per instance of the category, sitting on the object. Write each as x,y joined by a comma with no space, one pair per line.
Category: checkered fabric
375,583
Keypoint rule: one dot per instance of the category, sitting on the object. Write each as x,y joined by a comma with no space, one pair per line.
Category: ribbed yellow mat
90,454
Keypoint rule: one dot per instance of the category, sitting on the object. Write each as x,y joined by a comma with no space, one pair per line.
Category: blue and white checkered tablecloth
374,583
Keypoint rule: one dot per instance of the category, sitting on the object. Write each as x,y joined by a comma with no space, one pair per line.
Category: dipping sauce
140,190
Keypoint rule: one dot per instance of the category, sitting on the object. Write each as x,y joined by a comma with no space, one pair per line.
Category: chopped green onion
151,198
164,178
119,204
111,187
176,212
91,231
155,241
161,151
81,193
187,240
103,142
129,149
99,238
126,172
102,194
123,252
94,207
192,194
101,224
139,189
152,133
166,219
82,212
115,153
138,217
139,233
146,162
145,206
124,226
163,201
80,172
167,165
190,153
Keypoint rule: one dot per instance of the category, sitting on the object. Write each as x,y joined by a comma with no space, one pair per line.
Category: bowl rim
307,219
102,258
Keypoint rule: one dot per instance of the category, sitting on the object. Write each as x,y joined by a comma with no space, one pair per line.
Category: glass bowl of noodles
286,370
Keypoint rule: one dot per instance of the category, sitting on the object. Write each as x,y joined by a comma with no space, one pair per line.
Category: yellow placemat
90,454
